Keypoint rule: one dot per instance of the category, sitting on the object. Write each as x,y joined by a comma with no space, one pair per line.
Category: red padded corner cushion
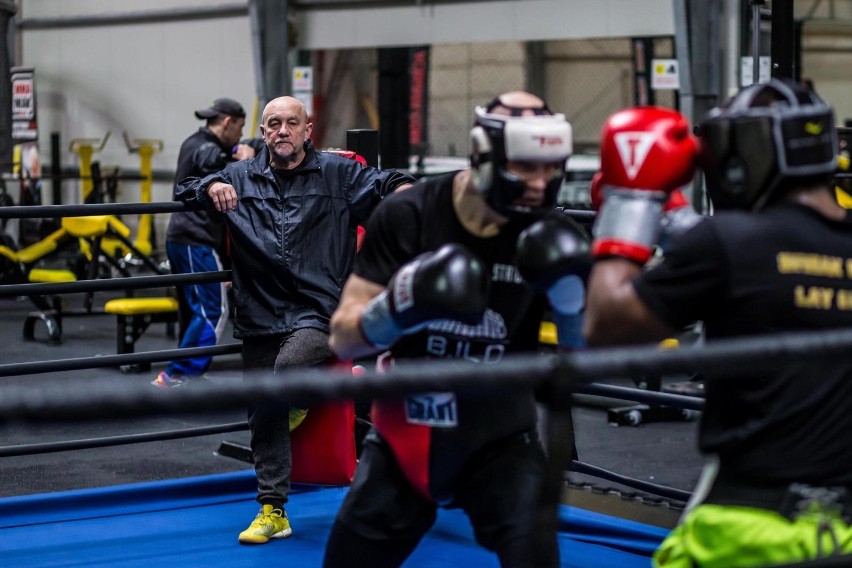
324,444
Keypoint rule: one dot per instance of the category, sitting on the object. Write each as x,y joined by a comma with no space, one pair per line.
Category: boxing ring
194,520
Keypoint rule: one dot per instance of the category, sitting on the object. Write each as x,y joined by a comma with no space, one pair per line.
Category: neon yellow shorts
717,536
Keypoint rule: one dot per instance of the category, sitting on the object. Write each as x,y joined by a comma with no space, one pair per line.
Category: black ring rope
111,441
724,355
555,377
580,215
91,209
102,361
112,284
633,483
89,443
656,398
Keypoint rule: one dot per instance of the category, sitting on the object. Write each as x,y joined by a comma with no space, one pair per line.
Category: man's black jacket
293,235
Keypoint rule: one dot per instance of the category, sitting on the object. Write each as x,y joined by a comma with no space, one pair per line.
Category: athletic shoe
269,523
297,416
166,381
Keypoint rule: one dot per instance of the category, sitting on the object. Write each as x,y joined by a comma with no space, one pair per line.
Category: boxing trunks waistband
790,500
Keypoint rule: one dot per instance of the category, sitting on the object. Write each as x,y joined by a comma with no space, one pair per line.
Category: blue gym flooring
195,521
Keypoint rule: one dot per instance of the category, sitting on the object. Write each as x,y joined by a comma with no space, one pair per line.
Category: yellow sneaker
297,416
269,523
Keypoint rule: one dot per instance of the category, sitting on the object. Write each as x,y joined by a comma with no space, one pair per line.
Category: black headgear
765,135
496,139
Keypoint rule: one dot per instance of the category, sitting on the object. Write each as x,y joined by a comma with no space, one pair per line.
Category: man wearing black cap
194,239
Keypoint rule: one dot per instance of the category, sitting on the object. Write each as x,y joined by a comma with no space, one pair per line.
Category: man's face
285,128
536,176
232,130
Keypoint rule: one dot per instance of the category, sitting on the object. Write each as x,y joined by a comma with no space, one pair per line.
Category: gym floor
663,452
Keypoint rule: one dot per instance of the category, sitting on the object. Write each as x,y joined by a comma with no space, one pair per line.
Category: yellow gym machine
101,240
85,148
90,233
146,148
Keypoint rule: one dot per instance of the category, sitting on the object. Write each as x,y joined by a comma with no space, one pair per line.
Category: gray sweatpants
269,424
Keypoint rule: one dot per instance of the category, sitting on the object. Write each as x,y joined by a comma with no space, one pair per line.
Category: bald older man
292,215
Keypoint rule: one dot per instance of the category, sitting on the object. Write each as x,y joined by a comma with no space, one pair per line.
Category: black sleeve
209,158
690,281
368,185
194,189
391,238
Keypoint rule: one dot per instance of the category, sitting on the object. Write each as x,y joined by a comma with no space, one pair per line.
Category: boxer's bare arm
614,312
346,339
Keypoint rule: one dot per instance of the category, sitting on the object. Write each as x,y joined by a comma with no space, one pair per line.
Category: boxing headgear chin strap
497,139
766,134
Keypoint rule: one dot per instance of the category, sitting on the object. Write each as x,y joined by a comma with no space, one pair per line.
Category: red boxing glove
677,200
349,154
647,153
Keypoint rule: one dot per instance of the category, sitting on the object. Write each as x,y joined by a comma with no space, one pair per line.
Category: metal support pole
684,62
272,46
697,48
55,169
783,42
7,12
365,143
755,40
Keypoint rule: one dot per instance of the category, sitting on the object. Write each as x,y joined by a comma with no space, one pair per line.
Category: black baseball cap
222,106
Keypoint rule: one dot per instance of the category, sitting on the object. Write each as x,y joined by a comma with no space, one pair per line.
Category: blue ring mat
195,521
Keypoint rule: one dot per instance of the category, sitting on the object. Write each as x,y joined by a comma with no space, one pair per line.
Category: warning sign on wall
664,74
303,79
24,126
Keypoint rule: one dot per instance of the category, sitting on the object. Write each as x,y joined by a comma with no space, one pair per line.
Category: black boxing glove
550,249
449,283
553,257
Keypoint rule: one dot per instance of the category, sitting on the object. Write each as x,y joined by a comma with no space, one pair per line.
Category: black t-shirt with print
785,269
434,434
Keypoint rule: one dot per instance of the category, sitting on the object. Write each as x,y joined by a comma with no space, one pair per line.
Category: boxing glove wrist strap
377,324
628,224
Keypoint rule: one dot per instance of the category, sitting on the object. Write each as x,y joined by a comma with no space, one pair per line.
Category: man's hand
243,152
449,283
223,196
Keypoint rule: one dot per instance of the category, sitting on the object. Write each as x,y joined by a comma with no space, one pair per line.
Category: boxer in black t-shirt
775,257
461,266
